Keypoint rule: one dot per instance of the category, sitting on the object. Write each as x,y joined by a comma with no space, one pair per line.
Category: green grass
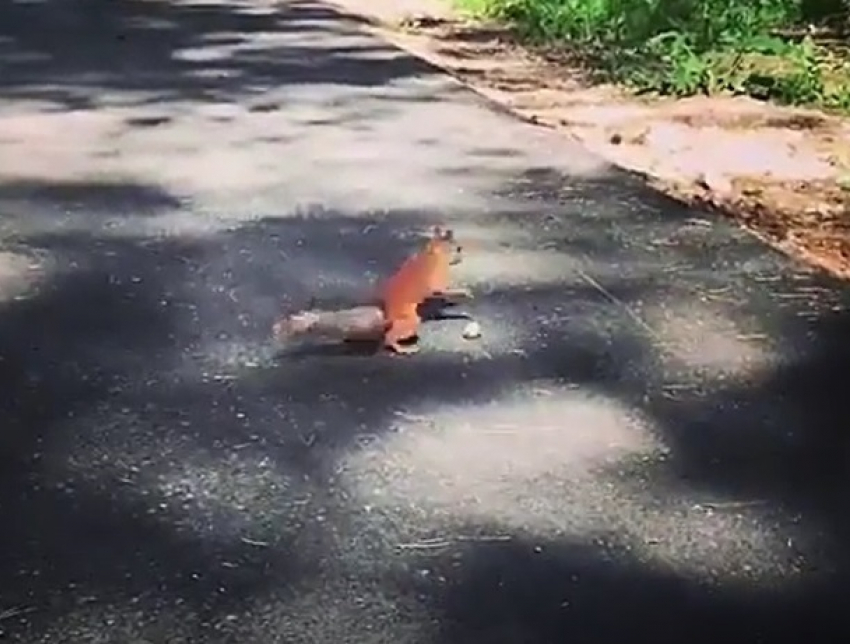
686,47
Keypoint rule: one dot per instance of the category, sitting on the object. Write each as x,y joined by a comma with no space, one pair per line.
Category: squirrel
394,317
422,276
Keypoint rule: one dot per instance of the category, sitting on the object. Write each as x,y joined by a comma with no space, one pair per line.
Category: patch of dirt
783,173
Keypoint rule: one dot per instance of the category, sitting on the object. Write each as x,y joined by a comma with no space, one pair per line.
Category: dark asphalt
648,443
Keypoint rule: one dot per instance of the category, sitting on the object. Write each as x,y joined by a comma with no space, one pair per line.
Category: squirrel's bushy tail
357,323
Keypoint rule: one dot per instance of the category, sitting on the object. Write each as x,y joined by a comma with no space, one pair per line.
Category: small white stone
472,331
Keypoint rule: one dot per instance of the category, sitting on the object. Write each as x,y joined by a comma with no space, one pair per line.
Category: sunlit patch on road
705,338
487,267
554,462
21,274
334,611
142,618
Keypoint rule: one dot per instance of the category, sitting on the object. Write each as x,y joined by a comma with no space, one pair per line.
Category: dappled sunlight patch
552,463
501,255
707,339
20,274
348,610
55,146
484,461
139,618
225,154
503,267
213,170
205,54
721,539
188,223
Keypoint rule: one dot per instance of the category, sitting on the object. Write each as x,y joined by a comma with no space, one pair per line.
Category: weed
685,47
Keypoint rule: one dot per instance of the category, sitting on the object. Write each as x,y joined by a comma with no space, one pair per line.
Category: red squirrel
394,318
422,276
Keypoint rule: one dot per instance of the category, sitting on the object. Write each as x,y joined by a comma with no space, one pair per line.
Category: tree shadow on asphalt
110,199
76,344
78,53
537,591
142,362
115,382
108,392
778,431
776,438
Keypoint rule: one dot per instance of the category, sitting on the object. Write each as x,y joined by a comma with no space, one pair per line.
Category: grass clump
765,48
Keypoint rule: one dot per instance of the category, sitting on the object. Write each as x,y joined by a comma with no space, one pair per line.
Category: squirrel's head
443,242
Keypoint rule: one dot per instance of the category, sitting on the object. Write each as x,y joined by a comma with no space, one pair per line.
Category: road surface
647,442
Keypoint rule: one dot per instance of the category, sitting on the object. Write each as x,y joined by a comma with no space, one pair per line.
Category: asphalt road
647,443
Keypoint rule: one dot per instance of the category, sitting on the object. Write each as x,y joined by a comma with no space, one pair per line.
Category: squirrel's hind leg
401,329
